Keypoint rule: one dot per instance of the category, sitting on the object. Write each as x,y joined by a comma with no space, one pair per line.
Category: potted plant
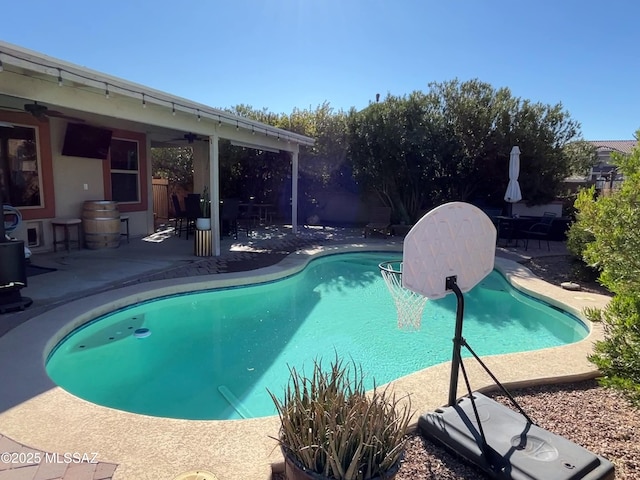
204,221
331,428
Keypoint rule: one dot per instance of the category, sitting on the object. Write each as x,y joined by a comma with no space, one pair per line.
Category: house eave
77,76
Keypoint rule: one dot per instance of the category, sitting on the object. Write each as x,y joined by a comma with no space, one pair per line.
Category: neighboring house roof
622,146
604,149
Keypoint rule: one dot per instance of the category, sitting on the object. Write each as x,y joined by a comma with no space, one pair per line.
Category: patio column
294,191
214,188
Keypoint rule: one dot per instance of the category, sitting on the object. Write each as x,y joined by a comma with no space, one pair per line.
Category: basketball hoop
409,304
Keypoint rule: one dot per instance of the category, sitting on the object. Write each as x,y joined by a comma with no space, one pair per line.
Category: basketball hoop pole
457,340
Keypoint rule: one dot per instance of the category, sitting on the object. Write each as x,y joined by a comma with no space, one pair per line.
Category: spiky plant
331,426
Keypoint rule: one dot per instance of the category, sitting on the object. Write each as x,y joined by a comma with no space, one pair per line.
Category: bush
607,235
618,357
578,235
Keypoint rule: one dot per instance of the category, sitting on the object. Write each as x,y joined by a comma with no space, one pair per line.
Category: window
20,180
125,170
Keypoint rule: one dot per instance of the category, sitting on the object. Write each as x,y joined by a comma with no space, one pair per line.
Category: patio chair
229,216
493,214
540,230
379,221
179,216
193,210
248,219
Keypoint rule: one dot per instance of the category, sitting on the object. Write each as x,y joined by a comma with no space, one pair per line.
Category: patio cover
94,96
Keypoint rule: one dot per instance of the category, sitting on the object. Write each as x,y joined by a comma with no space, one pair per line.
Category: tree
175,164
453,143
321,165
392,149
581,156
611,225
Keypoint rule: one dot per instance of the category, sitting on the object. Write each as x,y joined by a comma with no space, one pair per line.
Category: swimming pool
212,355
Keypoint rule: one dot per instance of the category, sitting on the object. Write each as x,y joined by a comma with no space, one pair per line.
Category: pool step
234,402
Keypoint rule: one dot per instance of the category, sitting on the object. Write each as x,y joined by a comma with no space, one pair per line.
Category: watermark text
27,458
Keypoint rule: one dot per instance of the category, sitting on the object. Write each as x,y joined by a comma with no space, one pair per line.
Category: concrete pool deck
36,413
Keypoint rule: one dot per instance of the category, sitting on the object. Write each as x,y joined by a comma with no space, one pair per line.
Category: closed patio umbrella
513,193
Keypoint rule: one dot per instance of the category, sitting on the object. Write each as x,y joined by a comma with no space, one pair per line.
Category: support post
214,188
457,340
2,231
294,191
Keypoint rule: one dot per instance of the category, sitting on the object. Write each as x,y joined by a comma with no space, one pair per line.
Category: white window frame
128,172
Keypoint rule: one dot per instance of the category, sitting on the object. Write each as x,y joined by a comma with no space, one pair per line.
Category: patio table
263,210
509,228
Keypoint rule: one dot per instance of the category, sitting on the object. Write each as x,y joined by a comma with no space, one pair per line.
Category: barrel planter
101,224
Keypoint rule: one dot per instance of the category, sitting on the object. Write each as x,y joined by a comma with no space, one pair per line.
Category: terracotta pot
294,471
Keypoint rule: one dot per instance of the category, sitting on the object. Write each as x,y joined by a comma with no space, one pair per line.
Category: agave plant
205,202
331,426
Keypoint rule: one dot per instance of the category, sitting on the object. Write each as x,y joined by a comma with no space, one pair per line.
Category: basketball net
409,304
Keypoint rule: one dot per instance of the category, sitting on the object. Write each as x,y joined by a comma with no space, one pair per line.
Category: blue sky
282,54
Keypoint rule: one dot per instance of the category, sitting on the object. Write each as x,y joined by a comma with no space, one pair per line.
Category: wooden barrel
101,224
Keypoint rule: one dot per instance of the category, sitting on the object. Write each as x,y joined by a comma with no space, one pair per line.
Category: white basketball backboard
454,239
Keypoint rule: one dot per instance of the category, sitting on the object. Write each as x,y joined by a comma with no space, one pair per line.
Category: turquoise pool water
213,354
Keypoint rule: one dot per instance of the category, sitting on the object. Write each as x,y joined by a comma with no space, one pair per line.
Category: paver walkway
19,462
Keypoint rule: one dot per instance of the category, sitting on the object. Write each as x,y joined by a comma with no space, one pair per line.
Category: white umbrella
513,193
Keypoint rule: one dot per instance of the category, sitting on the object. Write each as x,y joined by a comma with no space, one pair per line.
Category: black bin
13,266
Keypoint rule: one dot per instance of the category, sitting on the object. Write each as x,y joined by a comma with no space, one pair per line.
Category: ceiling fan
41,112
190,138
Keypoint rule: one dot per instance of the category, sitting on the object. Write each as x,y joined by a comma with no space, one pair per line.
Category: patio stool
65,223
125,219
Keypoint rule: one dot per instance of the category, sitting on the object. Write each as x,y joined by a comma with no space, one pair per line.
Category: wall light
106,90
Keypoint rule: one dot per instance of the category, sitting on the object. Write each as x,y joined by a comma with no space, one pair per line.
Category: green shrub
618,357
578,235
607,235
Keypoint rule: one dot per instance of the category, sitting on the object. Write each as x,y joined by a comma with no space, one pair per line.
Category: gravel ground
601,420
560,268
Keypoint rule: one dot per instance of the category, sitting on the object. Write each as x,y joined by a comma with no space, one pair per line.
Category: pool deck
37,416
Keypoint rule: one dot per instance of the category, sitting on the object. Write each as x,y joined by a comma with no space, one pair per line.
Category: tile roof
622,146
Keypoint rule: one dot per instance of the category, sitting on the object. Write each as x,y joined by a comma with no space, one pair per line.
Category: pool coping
37,413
